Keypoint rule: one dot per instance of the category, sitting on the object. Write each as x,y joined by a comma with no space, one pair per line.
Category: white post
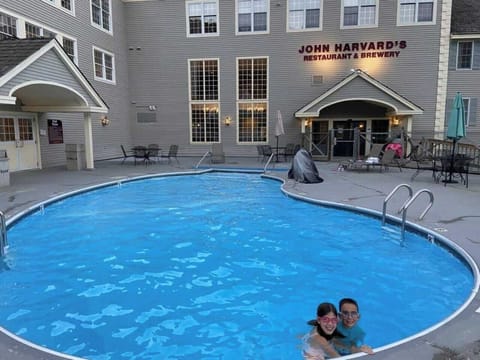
88,140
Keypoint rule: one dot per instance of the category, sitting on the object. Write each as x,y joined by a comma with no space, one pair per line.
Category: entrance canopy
360,87
37,75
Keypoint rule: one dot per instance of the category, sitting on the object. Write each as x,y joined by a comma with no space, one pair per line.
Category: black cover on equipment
303,168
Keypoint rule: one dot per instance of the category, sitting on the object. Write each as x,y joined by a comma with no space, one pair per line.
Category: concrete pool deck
455,215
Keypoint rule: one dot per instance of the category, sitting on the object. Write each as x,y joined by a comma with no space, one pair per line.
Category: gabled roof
14,51
44,92
465,17
378,93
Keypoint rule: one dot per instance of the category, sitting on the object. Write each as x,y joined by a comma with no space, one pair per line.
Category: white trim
58,4
416,23
415,110
470,41
7,100
287,21
104,52
65,109
366,26
252,32
110,18
467,36
187,19
37,82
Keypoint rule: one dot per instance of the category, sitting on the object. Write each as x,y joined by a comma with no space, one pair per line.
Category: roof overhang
395,103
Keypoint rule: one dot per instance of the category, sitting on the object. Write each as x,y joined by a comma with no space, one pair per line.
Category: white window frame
304,28
458,54
253,102
252,31
100,26
58,5
203,33
213,104
103,78
466,110
356,26
416,22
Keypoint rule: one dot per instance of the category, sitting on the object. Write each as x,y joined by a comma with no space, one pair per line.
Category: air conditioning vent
317,80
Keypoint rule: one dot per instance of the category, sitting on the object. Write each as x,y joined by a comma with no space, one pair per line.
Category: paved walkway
455,214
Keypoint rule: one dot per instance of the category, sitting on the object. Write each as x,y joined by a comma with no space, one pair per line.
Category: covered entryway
38,78
352,115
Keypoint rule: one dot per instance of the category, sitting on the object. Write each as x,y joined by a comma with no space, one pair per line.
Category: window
204,105
8,26
66,5
416,11
34,31
304,15
252,94
25,129
7,129
69,47
464,54
252,16
101,14
103,65
466,107
202,17
359,13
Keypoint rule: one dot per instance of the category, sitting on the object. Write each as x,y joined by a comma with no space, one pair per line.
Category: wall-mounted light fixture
227,120
105,120
395,121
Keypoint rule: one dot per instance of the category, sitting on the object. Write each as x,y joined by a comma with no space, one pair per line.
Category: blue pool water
214,266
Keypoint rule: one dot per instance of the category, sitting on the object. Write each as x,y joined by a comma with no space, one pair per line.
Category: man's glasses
350,314
326,320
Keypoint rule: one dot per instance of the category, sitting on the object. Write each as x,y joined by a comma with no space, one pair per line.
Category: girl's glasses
326,320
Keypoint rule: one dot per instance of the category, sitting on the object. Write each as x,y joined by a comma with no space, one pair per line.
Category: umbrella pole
277,148
452,161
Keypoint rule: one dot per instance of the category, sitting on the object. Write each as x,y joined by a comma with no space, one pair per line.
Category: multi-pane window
7,129
34,31
104,65
464,54
66,5
304,14
252,100
69,47
252,16
202,17
8,26
416,11
101,14
25,129
204,105
359,12
466,107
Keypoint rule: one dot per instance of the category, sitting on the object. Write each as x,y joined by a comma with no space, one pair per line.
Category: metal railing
268,162
203,158
3,234
403,209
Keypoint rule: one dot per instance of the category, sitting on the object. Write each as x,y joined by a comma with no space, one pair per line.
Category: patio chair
267,152
140,153
126,154
423,160
172,154
289,151
217,156
153,152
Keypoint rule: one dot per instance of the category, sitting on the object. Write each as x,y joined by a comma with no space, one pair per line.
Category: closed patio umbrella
279,130
456,128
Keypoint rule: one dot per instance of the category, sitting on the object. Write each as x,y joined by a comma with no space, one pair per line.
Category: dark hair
322,310
347,301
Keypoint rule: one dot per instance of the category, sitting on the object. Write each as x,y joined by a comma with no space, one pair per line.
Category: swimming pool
162,267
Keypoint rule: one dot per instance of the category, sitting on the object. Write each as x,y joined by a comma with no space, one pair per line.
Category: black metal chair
126,154
172,154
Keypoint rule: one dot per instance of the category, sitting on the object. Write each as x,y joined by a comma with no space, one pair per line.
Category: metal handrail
268,162
203,158
389,196
407,205
3,234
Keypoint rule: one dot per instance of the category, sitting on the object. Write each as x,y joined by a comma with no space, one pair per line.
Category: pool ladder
403,210
3,235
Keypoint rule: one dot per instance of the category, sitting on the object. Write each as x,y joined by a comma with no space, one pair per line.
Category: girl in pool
317,344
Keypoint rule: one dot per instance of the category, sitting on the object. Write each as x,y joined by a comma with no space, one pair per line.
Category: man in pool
353,342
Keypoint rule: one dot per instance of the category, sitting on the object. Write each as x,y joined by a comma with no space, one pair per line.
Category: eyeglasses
326,320
351,314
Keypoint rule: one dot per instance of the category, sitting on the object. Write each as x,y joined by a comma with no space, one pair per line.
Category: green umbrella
456,128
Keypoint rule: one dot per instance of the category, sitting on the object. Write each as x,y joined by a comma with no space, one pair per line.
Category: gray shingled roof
465,17
14,51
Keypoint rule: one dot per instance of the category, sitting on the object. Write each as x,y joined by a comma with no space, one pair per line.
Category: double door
18,138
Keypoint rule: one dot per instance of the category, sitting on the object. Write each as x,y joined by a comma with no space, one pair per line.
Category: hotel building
105,73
